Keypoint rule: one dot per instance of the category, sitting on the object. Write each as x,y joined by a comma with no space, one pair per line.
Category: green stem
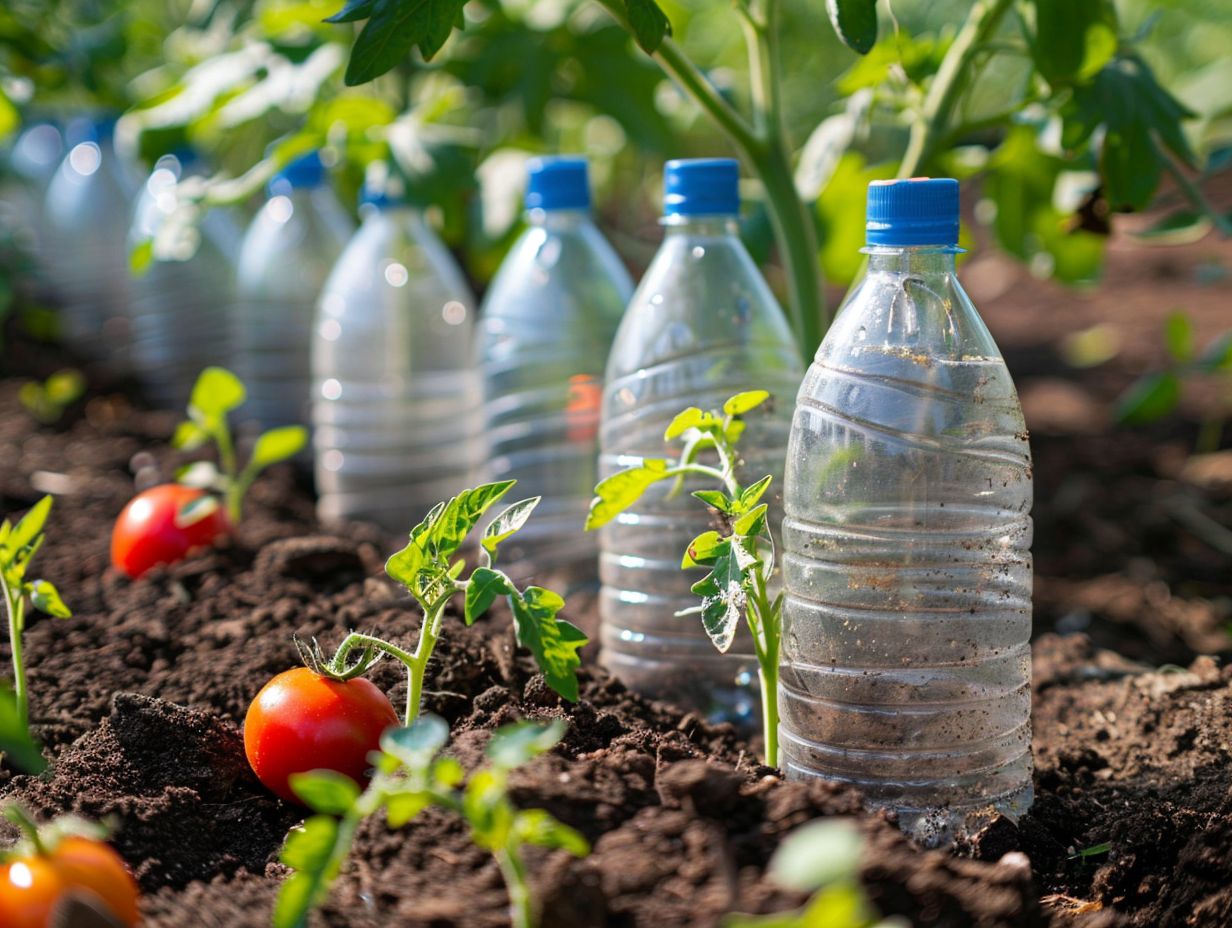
932,122
1193,193
416,663
235,484
521,911
767,633
15,607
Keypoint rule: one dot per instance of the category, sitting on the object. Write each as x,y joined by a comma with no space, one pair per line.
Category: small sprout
428,569
1095,850
823,858
411,777
216,393
18,545
48,400
740,558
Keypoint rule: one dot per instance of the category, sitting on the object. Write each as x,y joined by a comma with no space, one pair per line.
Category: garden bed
139,696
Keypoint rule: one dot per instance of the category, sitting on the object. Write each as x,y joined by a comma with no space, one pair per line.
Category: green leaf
64,387
507,523
691,418
488,810
1179,337
17,745
216,392
715,498
353,11
461,514
649,24
1217,356
539,827
752,523
818,854
753,493
277,445
618,492
141,257
482,590
704,550
415,746
1073,39
30,526
312,851
189,436
448,772
1150,398
400,808
1183,227
513,745
855,21
840,214
393,29
46,598
553,642
325,791
723,596
741,403
195,510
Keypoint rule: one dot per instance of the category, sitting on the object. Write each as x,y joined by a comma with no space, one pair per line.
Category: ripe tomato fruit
32,887
149,531
302,721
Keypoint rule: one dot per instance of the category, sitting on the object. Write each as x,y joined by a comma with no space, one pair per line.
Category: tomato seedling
163,525
215,394
18,545
47,400
409,778
62,868
741,560
303,721
427,569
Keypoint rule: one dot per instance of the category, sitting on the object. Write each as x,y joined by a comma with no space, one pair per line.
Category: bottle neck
715,226
917,260
557,220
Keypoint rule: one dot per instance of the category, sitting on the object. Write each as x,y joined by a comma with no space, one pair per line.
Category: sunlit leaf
416,745
855,21
278,445
1150,398
513,745
325,791
17,745
507,523
484,587
817,854
648,22
46,598
553,642
1179,336
216,392
618,492
536,826
741,403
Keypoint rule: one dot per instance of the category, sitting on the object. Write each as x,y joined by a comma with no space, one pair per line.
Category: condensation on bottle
395,389
906,658
702,326
180,311
86,218
287,252
545,331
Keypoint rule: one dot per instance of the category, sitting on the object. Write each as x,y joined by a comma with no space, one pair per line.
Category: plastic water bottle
545,331
906,664
27,171
702,326
180,311
285,256
89,203
395,391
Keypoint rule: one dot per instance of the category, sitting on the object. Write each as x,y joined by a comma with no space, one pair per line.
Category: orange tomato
32,887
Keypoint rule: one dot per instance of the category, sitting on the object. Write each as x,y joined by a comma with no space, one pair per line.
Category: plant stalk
15,608
933,120
521,911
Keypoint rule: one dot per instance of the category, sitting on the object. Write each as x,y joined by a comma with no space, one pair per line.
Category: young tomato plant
426,567
409,778
18,545
741,559
164,524
47,400
63,874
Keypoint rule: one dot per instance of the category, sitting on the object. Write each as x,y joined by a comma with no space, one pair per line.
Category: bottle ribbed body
86,251
395,392
180,311
544,335
906,659
287,252
702,326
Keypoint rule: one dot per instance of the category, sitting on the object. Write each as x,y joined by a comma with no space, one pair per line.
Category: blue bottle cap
380,197
701,187
304,172
919,211
557,182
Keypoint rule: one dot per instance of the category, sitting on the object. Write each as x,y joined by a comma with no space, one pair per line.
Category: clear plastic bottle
27,171
180,311
395,391
702,325
544,334
906,660
284,259
89,203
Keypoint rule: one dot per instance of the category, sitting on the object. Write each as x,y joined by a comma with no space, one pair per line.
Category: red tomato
148,532
302,721
32,887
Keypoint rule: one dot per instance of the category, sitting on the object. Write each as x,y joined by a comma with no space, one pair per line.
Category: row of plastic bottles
903,466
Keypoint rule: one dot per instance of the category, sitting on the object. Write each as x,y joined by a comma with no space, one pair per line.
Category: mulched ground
139,696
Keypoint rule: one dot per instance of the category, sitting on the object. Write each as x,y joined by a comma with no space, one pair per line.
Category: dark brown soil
139,697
